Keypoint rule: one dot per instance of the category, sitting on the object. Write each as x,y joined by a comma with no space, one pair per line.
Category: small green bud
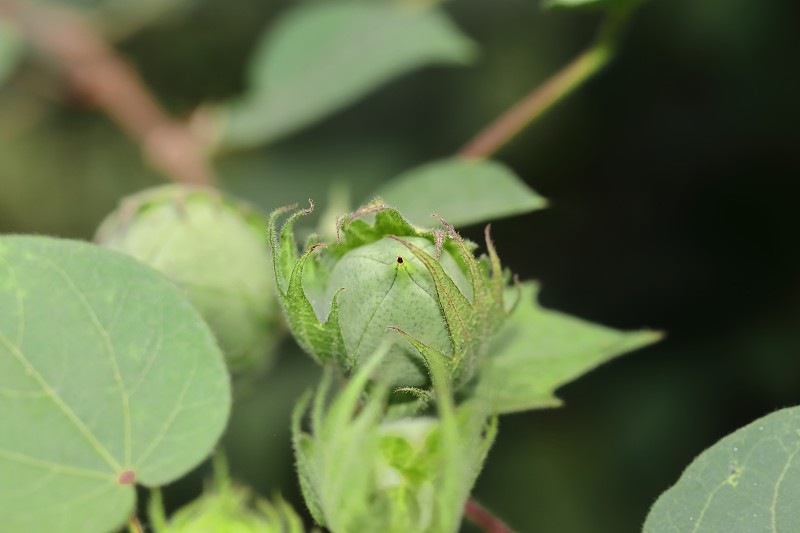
213,247
360,472
389,275
226,507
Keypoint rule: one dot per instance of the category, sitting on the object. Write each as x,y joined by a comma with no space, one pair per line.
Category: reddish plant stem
134,526
94,70
545,96
483,518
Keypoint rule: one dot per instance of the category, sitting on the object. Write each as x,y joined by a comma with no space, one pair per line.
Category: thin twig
545,96
483,518
134,526
94,70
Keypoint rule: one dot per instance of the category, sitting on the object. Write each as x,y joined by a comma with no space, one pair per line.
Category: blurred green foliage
672,179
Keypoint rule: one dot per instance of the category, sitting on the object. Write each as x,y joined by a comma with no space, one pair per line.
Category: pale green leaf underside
322,56
539,350
460,191
104,368
748,481
10,49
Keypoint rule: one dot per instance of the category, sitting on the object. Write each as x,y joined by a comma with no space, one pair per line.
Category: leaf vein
164,429
776,492
110,353
79,424
54,468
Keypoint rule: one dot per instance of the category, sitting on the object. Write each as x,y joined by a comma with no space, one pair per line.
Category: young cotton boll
387,285
389,279
213,247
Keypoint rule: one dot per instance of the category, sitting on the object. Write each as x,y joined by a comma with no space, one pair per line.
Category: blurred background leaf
11,47
322,56
462,192
600,4
121,18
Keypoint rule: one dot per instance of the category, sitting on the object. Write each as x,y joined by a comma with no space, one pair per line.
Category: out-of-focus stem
483,518
134,526
545,96
95,71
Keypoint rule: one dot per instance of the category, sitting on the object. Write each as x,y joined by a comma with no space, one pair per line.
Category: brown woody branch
483,518
96,72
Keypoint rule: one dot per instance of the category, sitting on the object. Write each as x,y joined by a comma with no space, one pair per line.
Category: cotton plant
407,315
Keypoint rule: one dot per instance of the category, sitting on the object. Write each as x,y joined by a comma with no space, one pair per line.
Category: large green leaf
322,56
10,49
460,191
539,350
748,481
108,377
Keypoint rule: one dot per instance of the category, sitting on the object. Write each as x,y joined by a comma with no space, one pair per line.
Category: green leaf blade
748,481
539,350
83,505
106,372
460,191
323,56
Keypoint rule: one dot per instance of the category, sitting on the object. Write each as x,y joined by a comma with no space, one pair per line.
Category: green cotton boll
225,506
422,290
387,285
232,511
215,249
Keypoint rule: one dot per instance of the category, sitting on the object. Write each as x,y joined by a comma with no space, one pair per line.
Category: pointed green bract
303,451
355,232
471,324
322,340
360,472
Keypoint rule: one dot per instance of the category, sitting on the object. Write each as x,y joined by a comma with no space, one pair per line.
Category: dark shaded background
673,178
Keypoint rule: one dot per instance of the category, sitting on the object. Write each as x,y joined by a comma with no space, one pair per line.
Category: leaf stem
557,87
134,526
483,518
